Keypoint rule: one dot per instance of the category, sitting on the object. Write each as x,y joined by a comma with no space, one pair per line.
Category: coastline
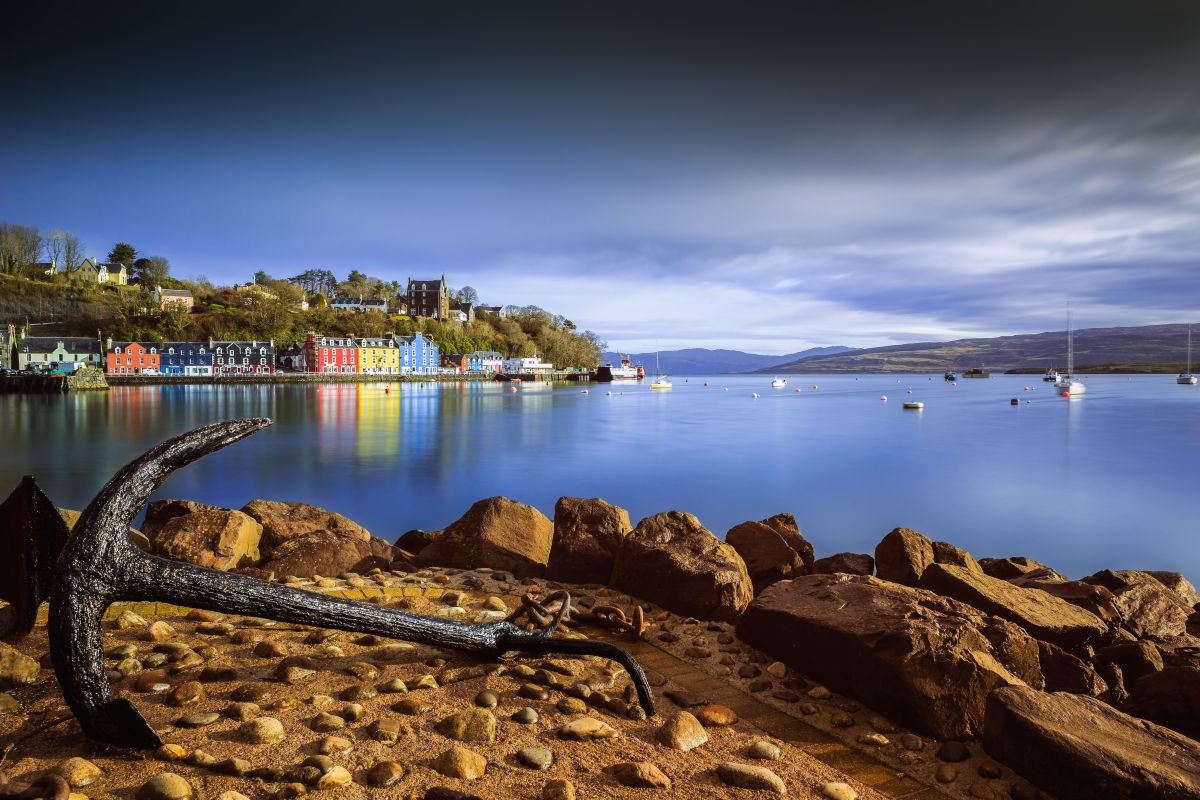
305,377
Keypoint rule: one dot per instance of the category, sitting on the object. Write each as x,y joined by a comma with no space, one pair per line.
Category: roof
176,292
82,345
146,345
486,354
243,344
435,283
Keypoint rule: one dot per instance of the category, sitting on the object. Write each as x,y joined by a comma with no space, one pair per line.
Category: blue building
185,358
418,355
485,361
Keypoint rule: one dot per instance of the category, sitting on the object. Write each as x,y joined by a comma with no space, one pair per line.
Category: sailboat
1067,384
660,381
1186,378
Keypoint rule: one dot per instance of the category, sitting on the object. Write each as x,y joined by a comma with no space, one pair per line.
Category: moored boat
625,371
779,383
1067,385
1051,376
949,376
977,372
1186,378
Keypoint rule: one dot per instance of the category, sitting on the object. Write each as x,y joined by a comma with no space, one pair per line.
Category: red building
132,358
456,362
330,354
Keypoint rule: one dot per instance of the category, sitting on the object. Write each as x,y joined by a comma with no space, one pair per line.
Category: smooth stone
78,772
535,757
764,750
170,752
716,716
745,776
487,699
385,774
166,786
385,730
188,693
459,762
640,774
127,620
571,705
525,716
198,720
558,789
410,706
587,729
874,739
237,767
945,773
953,752
394,686
334,745
839,791
476,725
324,722
335,778
682,732
910,741
531,691
159,631
242,711
263,730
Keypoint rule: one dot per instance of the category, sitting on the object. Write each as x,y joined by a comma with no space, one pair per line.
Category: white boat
1067,385
1051,376
779,383
1186,378
661,381
612,373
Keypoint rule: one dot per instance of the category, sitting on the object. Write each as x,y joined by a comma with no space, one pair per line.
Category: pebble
525,716
982,791
394,686
764,750
127,619
242,711
745,776
251,693
874,739
323,723
777,669
263,730
170,752
495,604
410,706
425,682
571,705
363,671
640,774
198,720
477,725
586,729
353,712
166,786
818,693
188,693
232,795
335,778
682,732
295,668
1022,790
78,772
989,770
385,730
910,741
531,691
945,773
152,680
269,648
716,716
487,699
559,789
840,719
384,774
237,767
953,752
696,651
334,745
839,791
458,762
535,757
748,671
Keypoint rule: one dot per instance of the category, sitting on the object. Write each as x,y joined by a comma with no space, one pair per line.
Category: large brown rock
416,540
497,533
1092,598
587,535
1079,748
1179,585
1148,608
1134,658
902,556
286,520
1043,615
1067,673
773,549
674,561
844,563
946,553
160,512
327,553
218,538
1011,567
1170,697
925,661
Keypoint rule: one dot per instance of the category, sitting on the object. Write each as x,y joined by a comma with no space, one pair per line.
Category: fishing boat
1051,376
661,381
914,405
1186,378
1067,385
779,383
977,372
949,376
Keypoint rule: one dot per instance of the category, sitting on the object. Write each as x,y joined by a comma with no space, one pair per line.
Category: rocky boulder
925,661
160,512
284,520
587,535
1148,609
1179,585
497,533
216,538
1079,748
773,549
416,540
1011,567
902,556
1095,599
946,553
1067,673
1043,615
327,553
1134,658
844,563
674,561
70,517
1170,697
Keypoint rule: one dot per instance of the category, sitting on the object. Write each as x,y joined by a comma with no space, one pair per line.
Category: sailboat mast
1070,345
1189,366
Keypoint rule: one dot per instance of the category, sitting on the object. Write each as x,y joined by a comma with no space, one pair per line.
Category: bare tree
20,246
63,248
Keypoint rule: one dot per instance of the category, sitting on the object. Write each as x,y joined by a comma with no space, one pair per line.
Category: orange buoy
512,388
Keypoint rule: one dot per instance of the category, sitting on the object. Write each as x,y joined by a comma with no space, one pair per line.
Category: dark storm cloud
810,173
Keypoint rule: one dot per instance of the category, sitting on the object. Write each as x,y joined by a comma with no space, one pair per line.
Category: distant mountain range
1113,349
698,361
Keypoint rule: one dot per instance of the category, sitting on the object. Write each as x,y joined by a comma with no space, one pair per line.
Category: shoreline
303,378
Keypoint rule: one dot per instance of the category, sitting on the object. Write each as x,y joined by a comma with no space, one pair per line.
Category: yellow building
378,356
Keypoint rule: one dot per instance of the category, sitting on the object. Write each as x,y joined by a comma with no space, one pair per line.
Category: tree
122,253
19,247
467,294
261,278
174,321
63,249
151,272
316,281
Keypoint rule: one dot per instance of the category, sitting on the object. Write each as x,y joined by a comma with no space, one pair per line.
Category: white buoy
609,394
754,394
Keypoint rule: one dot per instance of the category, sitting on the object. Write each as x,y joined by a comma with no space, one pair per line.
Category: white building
527,365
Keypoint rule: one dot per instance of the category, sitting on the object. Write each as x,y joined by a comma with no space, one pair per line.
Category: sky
754,176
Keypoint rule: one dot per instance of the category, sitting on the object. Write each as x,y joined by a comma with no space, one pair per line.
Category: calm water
1108,480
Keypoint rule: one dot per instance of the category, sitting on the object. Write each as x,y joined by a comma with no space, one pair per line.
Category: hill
699,361
1161,345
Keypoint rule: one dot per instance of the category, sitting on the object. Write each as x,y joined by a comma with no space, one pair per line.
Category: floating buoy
706,383
609,394
914,405
909,391
814,386
1066,394
798,390
583,391
754,394
1014,402
883,398
1028,389
512,388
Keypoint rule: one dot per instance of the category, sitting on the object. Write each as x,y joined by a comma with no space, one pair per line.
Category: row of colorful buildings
326,355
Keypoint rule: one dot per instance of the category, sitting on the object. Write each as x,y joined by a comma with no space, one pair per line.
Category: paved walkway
783,726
